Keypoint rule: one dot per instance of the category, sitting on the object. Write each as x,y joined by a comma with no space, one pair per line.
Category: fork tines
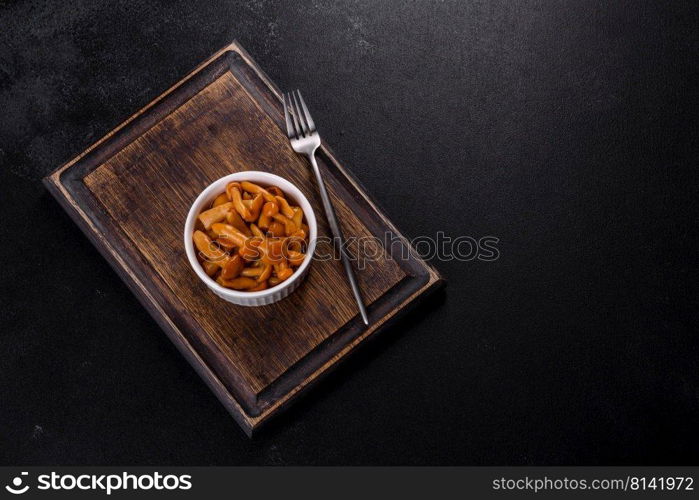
299,123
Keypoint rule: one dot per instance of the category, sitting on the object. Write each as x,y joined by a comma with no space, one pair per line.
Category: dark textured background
566,129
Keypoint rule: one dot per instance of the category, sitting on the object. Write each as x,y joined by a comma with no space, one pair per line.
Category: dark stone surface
566,129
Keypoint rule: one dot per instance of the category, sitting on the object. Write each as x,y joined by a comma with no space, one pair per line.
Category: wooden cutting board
130,193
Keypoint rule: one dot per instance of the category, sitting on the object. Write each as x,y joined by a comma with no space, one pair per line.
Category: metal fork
305,140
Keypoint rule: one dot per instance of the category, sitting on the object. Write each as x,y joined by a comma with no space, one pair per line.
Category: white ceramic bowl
275,293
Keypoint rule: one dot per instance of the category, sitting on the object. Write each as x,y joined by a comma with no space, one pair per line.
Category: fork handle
338,238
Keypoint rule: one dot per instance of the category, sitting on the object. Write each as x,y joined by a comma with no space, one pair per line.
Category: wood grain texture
131,191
